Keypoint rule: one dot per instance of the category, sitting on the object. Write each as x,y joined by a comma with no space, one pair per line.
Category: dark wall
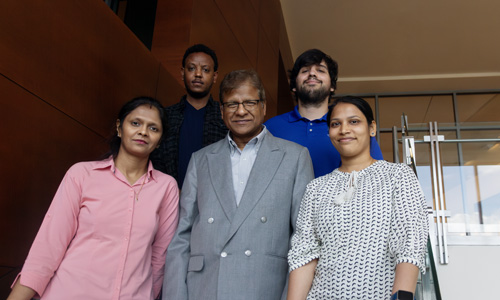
67,66
244,34
65,69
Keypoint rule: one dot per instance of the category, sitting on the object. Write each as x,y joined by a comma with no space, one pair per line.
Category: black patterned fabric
166,158
359,226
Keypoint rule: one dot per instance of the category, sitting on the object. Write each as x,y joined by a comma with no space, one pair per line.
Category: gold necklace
136,195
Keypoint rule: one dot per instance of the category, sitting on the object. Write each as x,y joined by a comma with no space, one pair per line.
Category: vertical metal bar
395,148
441,213
377,118
436,194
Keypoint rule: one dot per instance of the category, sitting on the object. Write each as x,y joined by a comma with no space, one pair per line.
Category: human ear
373,129
118,128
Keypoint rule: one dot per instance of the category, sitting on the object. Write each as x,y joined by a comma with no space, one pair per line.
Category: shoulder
86,168
278,120
175,107
397,173
284,144
163,178
213,148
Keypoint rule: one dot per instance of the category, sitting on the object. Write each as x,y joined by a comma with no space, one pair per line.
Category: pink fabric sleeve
167,225
55,234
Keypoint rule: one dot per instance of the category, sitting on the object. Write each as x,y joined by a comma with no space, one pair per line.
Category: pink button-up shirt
98,242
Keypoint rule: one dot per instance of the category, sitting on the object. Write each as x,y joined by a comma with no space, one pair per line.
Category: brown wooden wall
244,34
67,66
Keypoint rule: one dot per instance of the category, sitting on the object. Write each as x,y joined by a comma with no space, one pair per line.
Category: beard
312,97
197,95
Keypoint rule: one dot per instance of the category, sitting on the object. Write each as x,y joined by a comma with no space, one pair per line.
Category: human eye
334,124
231,105
154,128
354,122
190,68
250,103
135,123
304,70
206,70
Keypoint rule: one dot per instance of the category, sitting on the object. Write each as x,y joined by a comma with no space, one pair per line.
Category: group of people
299,207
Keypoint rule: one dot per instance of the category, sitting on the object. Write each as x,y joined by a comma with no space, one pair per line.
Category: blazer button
223,254
248,253
210,220
263,219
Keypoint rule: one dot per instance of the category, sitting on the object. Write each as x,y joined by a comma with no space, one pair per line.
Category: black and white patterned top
359,226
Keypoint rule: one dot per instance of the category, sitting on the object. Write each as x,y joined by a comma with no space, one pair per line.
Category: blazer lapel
265,166
221,175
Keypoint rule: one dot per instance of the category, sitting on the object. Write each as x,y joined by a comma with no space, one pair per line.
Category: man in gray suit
239,205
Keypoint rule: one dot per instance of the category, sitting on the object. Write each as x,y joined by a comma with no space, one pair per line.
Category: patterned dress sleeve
409,223
305,244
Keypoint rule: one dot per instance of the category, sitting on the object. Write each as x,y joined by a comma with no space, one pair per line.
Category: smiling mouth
344,140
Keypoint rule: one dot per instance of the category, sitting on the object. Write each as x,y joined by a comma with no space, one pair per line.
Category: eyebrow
350,117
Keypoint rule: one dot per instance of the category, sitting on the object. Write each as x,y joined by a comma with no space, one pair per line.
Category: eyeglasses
247,104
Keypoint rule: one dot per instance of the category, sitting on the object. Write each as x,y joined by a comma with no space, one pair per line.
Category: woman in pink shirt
106,233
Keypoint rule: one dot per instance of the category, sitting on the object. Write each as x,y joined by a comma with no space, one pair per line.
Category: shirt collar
295,116
110,163
257,140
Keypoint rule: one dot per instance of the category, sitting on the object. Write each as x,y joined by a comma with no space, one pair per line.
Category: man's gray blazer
224,252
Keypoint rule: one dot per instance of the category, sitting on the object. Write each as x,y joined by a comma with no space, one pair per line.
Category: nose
312,72
344,128
143,130
197,72
241,110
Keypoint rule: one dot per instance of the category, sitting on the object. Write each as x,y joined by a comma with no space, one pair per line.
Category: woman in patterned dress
362,229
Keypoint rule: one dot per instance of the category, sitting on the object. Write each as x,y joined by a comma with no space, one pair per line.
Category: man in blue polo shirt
313,79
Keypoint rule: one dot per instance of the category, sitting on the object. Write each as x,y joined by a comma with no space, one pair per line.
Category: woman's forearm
21,292
406,278
300,281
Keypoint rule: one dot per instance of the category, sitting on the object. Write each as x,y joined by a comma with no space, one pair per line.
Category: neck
198,103
131,167
313,111
241,143
350,164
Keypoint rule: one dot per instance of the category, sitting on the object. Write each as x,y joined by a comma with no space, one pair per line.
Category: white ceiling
401,45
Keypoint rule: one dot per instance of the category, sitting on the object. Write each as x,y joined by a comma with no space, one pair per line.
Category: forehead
146,112
346,110
199,58
244,91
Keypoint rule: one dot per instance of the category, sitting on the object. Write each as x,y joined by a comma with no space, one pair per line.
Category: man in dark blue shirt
194,122
313,79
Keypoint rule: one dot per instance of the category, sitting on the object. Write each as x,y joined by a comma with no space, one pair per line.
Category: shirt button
248,253
223,254
311,124
263,219
210,220
310,130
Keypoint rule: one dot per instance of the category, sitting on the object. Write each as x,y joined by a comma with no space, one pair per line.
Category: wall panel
66,69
